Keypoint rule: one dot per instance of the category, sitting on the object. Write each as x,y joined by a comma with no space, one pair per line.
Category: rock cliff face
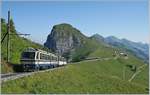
64,38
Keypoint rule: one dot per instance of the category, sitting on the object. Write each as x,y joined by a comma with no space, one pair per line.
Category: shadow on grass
16,67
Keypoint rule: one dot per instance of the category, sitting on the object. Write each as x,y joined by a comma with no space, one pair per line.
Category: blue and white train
36,59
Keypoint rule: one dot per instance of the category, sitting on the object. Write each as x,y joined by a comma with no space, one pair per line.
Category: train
35,59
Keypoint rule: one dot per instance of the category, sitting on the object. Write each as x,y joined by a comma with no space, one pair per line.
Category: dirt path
139,70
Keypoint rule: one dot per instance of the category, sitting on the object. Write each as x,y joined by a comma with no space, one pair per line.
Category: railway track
8,75
13,76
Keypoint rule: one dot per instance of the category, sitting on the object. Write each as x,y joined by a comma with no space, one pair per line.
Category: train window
41,56
49,57
55,58
61,59
52,58
46,57
28,55
37,56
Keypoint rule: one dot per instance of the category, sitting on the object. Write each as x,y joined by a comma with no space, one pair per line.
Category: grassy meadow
82,77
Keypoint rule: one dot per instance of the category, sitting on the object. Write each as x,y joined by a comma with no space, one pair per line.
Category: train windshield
28,55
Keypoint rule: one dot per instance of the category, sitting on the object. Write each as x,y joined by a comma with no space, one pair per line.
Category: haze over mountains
138,49
66,40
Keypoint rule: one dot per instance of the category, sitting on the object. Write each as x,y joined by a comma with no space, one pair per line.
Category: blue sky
126,19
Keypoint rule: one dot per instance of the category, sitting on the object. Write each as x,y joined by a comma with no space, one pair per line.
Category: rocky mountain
138,49
68,41
63,38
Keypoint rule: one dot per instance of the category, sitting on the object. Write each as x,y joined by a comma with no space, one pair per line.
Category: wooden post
124,73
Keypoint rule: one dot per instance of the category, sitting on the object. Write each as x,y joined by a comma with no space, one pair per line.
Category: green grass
101,52
142,77
82,77
83,51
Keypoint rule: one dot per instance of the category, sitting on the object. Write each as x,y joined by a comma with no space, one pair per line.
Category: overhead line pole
8,30
20,34
8,37
4,37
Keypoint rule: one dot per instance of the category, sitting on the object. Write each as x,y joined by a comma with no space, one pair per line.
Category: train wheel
37,69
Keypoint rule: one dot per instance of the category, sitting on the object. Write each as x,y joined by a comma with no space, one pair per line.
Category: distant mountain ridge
138,49
98,37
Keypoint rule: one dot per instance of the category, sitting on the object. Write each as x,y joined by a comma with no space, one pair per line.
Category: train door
50,61
37,61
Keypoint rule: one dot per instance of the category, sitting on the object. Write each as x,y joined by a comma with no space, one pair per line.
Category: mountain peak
112,39
63,38
63,25
66,29
97,37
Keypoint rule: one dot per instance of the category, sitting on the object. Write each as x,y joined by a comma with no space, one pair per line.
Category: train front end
28,60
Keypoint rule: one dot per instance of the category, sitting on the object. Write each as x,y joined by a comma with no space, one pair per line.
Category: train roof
30,49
